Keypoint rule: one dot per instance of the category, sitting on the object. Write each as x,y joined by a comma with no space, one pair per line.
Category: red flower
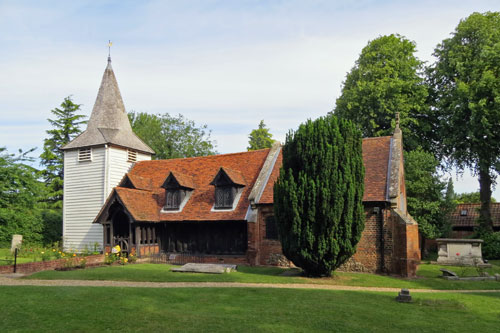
458,254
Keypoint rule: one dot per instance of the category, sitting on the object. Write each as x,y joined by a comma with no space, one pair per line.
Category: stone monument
17,240
459,251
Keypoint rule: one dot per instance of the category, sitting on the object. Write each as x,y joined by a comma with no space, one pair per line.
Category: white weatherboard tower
95,162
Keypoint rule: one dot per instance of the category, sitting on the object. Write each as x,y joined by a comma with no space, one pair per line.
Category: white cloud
224,64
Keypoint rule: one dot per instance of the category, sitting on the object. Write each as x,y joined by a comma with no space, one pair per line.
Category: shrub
318,196
491,245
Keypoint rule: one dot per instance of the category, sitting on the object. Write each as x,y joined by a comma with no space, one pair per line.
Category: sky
226,64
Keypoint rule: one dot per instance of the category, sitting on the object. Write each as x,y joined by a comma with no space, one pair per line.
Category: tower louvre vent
85,155
131,156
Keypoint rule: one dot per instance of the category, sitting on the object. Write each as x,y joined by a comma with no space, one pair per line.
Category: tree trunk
485,222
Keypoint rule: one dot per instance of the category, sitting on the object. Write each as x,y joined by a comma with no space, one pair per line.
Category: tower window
85,155
131,156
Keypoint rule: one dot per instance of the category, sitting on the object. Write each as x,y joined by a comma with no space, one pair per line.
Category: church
218,207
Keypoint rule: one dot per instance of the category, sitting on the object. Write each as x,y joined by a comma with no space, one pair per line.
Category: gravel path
12,281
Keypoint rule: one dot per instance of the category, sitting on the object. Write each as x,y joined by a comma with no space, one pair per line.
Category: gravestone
17,240
449,275
205,268
404,296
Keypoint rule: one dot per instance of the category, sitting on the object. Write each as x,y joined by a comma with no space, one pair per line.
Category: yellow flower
106,254
74,254
53,250
63,254
43,252
126,260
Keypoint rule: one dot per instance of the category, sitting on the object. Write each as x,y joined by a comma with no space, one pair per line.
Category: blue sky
227,64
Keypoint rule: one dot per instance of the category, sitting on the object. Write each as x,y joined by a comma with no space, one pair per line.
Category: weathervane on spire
109,50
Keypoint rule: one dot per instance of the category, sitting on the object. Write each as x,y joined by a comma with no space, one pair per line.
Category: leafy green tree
260,138
172,137
386,79
430,200
469,198
65,127
466,89
20,192
318,195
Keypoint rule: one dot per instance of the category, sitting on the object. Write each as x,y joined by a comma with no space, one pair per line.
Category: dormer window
224,197
172,199
228,185
178,189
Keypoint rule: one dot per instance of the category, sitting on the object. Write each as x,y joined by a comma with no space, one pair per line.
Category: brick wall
374,250
406,255
269,252
33,267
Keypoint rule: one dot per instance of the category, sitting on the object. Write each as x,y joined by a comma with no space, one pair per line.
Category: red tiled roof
235,176
242,168
376,160
376,154
471,212
202,171
184,180
140,183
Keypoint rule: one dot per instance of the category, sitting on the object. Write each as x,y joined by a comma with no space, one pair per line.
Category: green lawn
90,309
6,254
429,277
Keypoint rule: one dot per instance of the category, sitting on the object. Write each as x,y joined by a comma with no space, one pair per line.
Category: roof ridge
206,156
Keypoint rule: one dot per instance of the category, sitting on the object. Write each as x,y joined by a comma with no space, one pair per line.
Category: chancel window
271,228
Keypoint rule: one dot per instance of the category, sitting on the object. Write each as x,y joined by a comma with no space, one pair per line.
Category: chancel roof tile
146,205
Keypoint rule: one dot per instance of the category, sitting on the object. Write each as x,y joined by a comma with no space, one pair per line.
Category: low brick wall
32,267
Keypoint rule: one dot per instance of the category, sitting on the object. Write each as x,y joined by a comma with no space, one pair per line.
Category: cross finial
109,50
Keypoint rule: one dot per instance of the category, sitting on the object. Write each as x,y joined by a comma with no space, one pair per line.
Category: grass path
96,283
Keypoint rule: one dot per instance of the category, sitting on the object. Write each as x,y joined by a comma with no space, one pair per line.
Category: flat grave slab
205,268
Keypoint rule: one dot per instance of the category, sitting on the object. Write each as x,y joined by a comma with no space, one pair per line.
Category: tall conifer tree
318,196
66,126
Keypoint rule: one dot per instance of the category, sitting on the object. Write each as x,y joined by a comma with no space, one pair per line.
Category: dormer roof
108,123
230,175
181,180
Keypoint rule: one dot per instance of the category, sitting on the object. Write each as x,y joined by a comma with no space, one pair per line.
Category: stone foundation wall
32,267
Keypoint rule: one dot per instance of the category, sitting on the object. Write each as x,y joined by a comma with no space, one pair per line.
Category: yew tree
318,196
466,90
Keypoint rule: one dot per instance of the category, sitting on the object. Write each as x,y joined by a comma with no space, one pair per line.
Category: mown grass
7,258
90,309
428,277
